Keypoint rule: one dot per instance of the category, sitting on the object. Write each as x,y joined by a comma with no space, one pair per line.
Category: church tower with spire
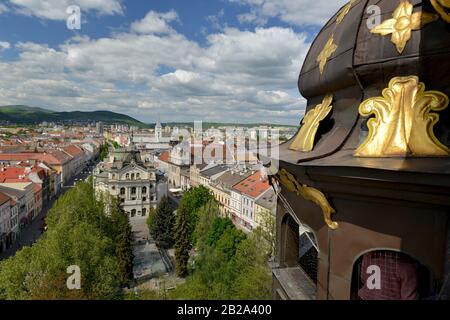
158,131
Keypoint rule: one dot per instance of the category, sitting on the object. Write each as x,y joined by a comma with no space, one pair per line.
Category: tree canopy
79,233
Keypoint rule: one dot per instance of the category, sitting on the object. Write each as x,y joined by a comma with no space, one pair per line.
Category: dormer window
127,176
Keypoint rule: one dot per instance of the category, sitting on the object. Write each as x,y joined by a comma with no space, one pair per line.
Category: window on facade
144,199
122,191
138,175
133,213
144,190
133,190
144,212
132,176
127,176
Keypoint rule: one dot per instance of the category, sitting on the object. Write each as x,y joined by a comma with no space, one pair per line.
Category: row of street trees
79,233
227,264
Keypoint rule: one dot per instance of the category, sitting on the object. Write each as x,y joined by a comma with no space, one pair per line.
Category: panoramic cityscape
226,150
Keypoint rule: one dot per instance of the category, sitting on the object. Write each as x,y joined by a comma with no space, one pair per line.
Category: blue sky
210,60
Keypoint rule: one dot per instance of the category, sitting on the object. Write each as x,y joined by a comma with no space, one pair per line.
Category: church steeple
158,130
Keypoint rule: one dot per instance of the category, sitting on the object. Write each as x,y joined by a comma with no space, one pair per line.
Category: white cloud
296,12
4,45
237,75
3,8
56,9
155,22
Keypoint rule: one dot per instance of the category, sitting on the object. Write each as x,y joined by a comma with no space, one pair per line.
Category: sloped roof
252,186
4,198
73,150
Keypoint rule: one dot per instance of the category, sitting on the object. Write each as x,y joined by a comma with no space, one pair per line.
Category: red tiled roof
53,157
73,150
252,186
164,156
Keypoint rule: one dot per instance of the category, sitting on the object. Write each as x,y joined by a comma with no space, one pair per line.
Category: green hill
32,115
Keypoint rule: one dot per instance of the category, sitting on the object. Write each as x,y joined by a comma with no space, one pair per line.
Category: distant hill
32,115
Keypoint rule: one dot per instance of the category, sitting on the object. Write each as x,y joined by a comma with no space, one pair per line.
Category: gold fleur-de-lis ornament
442,7
304,141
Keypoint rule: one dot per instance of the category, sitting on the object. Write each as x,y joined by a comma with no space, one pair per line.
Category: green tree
150,218
104,150
228,264
266,232
79,233
123,240
163,224
183,245
185,224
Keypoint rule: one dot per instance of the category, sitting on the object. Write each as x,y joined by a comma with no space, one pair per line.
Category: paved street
32,232
148,261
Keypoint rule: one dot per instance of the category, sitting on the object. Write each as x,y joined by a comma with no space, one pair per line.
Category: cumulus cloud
56,9
4,45
296,12
236,75
155,22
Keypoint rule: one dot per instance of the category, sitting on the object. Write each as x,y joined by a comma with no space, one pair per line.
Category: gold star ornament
403,22
345,10
327,52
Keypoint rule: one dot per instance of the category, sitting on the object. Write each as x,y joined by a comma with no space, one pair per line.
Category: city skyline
184,61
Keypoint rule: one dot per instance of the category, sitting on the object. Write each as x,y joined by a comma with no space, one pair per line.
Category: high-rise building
99,127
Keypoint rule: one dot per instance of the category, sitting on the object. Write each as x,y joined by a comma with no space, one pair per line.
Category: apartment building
249,191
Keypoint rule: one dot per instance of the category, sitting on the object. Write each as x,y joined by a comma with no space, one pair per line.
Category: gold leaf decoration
304,141
403,122
344,11
288,180
327,52
442,7
403,22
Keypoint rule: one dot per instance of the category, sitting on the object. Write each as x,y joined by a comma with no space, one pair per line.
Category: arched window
132,176
299,247
138,176
144,190
133,213
133,190
401,277
127,176
122,191
144,212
